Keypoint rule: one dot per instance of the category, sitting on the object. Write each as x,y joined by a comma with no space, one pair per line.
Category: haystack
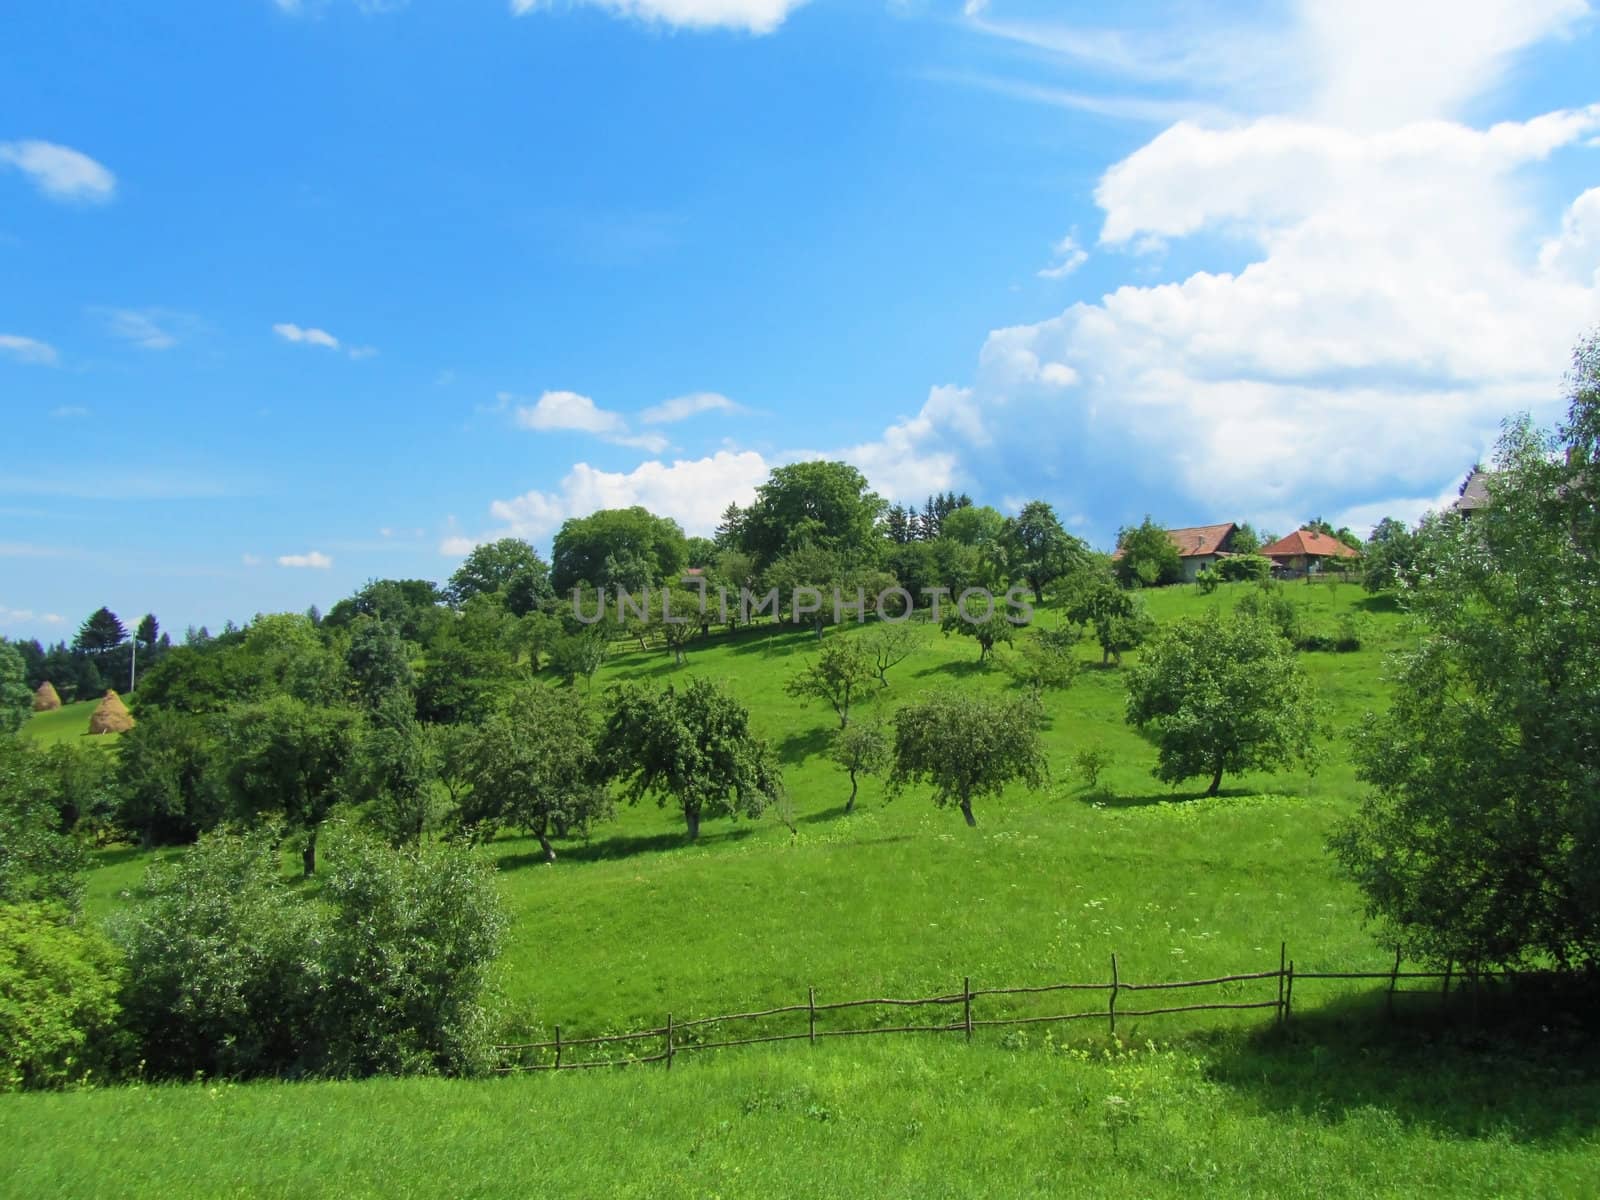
46,698
111,716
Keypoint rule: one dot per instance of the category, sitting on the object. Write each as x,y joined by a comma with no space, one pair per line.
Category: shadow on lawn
1527,1068
1100,798
961,668
804,743
617,847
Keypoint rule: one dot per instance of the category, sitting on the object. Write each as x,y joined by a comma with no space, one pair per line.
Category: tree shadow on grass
961,668
618,847
1383,602
1527,1071
775,639
804,743
1101,798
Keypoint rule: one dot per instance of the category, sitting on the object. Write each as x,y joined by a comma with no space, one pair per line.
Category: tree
682,619
149,630
534,766
888,644
1389,557
986,622
575,656
861,749
826,504
630,548
836,676
1117,617
377,663
1479,840
38,862
398,767
966,747
413,606
701,552
1045,661
99,637
1148,558
168,778
1038,550
691,745
1246,540
500,567
288,757
1220,694
16,700
974,525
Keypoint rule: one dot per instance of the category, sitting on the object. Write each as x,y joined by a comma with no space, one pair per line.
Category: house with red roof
1199,546
1305,551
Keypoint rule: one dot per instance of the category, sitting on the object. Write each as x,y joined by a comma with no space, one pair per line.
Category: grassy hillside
69,723
902,899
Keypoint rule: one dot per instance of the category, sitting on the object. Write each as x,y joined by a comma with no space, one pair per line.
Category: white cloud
23,616
1068,256
680,408
250,560
69,412
751,16
314,559
290,332
360,352
60,172
145,328
571,412
28,350
1574,253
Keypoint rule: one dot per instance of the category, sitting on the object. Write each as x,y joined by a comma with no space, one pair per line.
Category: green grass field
902,899
69,723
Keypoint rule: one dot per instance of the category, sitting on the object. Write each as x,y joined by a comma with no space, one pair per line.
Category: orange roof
1200,539
1309,542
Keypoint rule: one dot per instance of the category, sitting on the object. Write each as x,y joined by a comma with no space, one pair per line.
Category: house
1305,551
1474,494
1199,546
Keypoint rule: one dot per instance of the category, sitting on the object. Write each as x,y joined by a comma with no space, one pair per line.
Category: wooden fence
682,1037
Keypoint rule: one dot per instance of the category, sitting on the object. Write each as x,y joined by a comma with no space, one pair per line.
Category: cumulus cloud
60,172
750,16
571,412
291,332
28,350
26,616
681,408
314,560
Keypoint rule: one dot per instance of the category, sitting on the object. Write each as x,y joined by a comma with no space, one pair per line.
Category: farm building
1306,551
1202,546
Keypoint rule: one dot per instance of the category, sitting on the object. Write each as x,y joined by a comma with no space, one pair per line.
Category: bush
1244,568
37,860
1269,604
58,1000
1206,579
232,971
1089,762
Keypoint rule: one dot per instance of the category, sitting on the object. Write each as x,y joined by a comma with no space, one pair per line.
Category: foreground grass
1232,1116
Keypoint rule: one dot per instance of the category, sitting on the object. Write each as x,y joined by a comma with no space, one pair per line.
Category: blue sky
293,295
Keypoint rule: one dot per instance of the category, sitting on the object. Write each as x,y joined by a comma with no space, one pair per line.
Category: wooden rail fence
682,1037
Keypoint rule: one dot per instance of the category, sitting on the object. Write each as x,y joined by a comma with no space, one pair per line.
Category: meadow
902,899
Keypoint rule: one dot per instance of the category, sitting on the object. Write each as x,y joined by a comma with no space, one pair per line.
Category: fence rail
553,1054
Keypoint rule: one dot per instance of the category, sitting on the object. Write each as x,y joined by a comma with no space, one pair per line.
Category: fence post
1394,979
1283,958
669,1041
1288,993
811,1016
558,1047
1112,1011
966,1004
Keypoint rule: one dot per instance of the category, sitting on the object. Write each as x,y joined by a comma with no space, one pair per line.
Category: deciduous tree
966,747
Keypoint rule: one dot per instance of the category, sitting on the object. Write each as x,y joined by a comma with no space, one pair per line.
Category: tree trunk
966,811
1038,591
850,804
692,817
308,856
1216,781
549,850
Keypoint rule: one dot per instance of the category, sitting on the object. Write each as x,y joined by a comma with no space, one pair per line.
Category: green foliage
509,568
100,634
986,620
1044,661
377,663
1148,558
1222,694
864,748
293,759
1389,557
1277,610
1038,549
1480,840
825,504
966,747
168,778
1243,567
231,972
629,548
575,656
16,698
1090,762
398,765
1207,579
534,766
974,525
58,1000
1117,617
38,862
838,675
887,644
1246,541
693,745
413,606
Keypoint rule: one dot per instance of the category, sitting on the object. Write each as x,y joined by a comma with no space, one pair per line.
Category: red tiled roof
1309,542
1200,539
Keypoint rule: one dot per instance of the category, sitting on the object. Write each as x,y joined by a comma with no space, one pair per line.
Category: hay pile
111,717
46,698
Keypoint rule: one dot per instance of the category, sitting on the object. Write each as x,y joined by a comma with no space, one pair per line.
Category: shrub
1206,579
1245,568
58,1000
232,971
1089,762
37,860
1276,609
